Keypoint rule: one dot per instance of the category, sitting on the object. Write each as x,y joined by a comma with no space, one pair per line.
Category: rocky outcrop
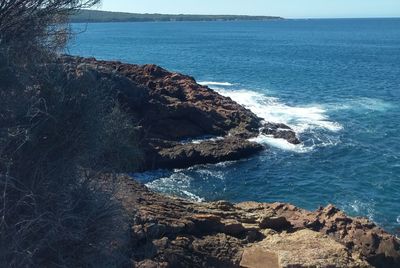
174,232
180,155
172,108
181,124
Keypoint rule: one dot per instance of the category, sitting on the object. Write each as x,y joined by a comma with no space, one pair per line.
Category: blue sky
284,8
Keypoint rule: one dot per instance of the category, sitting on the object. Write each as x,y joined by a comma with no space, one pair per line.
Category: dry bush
51,133
30,29
56,137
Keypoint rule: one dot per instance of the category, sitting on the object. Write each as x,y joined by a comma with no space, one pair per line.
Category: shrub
57,136
51,134
30,29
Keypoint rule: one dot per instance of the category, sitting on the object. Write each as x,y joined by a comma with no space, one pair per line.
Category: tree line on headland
106,16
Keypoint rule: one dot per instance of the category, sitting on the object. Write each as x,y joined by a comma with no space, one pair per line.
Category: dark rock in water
172,232
178,155
280,131
171,107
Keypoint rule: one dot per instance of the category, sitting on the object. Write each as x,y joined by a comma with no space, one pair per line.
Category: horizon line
274,16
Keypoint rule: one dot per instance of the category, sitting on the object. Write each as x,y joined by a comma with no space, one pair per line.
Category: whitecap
211,83
282,144
308,120
398,219
192,196
301,119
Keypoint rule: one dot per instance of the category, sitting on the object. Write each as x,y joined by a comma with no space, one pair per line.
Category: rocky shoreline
171,110
173,232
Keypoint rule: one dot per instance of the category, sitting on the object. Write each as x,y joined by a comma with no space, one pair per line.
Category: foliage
57,137
29,28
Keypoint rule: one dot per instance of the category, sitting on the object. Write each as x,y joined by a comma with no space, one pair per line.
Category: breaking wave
310,121
210,83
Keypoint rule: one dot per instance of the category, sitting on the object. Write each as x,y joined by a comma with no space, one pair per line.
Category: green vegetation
105,16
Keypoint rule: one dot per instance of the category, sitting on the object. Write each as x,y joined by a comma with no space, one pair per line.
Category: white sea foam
360,207
211,83
176,184
193,196
201,139
282,144
271,109
310,121
362,104
398,219
302,119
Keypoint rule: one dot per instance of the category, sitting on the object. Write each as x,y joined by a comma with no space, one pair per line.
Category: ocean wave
184,182
211,83
282,144
398,219
271,109
177,183
359,207
308,121
192,196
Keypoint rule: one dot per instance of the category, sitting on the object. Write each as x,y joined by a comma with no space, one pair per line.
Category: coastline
165,231
173,232
98,16
284,153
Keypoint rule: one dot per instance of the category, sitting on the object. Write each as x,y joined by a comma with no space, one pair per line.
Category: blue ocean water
336,82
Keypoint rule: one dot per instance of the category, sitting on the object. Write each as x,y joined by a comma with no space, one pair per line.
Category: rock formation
174,232
172,109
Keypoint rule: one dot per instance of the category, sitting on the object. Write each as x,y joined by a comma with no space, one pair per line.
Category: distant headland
107,16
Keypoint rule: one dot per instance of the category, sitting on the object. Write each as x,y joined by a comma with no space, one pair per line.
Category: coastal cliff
180,124
172,110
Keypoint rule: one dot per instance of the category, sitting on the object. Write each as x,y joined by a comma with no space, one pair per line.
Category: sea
336,82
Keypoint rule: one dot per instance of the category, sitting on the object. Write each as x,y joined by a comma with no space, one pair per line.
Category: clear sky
284,8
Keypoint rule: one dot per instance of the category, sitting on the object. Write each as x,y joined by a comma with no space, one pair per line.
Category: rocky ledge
172,109
173,232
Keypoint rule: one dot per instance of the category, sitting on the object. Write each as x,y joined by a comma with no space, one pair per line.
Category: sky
283,8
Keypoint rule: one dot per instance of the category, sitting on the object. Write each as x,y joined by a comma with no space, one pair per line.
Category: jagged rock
186,155
151,264
174,232
171,108
182,233
275,223
280,131
305,248
233,228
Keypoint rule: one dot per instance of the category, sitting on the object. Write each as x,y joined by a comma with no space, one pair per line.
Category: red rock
171,107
